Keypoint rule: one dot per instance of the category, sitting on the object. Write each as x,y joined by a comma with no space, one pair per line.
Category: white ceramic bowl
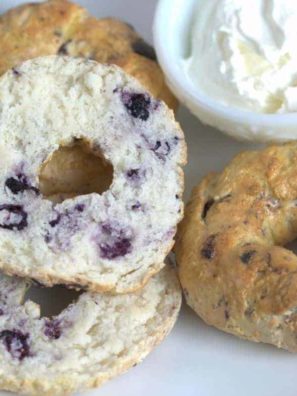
172,30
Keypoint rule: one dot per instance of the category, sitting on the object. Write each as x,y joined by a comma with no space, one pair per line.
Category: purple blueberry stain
135,175
16,343
16,72
53,223
136,206
48,238
13,217
79,207
63,226
19,183
161,149
118,248
137,105
14,185
114,241
170,233
52,329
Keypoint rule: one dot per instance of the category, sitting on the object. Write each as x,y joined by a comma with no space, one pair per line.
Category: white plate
195,360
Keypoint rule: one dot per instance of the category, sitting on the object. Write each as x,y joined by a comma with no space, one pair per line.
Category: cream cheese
244,53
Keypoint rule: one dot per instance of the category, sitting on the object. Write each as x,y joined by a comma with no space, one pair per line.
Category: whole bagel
112,239
233,264
60,27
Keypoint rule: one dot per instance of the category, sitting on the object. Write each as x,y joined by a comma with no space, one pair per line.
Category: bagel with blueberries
112,239
234,267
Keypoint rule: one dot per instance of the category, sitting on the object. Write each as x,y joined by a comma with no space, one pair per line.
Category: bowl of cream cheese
233,63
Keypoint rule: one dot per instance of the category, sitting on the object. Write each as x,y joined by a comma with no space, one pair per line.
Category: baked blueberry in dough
114,240
92,340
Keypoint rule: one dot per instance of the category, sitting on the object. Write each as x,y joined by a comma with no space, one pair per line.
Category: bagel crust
234,268
59,27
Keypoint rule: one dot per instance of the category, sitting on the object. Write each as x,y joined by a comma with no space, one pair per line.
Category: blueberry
14,211
79,207
63,227
247,256
16,343
137,105
16,73
161,149
63,50
56,221
136,206
114,241
19,184
106,228
135,175
52,329
144,49
118,248
208,250
48,238
15,185
157,145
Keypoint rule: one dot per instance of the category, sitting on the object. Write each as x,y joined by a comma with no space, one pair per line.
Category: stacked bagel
90,197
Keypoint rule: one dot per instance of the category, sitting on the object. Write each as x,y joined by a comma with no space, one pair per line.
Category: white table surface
195,360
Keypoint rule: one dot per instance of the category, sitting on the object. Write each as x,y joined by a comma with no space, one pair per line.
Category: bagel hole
74,170
52,300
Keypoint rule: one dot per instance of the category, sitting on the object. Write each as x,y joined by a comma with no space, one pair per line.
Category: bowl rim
169,62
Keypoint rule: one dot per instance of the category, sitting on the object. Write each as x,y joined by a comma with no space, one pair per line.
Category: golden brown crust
58,26
233,267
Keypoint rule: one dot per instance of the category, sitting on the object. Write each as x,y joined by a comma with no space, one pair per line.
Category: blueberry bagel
113,240
235,269
63,28
92,340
